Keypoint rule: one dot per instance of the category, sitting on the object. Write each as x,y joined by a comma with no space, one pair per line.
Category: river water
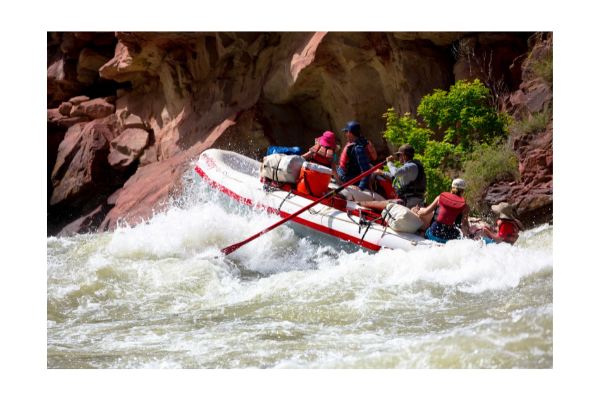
155,296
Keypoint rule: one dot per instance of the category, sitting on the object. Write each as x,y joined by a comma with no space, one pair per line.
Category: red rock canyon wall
128,112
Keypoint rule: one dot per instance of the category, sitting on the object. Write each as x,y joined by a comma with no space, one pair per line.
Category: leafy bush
464,113
536,125
466,118
543,68
485,165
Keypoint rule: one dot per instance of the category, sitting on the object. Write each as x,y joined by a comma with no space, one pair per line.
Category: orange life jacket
450,206
517,226
345,158
321,155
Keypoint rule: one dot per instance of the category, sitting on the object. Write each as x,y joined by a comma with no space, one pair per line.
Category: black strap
368,226
286,197
362,221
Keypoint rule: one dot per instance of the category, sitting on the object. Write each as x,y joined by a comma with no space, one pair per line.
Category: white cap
459,184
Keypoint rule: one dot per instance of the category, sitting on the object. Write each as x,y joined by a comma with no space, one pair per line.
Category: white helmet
459,184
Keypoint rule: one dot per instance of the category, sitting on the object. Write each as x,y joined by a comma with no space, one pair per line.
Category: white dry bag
401,219
282,168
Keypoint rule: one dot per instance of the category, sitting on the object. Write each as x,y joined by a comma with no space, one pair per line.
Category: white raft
238,177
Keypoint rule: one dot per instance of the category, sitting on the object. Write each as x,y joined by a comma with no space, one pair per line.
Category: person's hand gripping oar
234,247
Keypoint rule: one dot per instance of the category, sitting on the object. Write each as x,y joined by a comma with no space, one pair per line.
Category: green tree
465,117
464,114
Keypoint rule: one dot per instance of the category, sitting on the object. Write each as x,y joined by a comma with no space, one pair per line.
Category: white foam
117,290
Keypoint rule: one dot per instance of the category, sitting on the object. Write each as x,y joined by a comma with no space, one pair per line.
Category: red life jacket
345,158
517,226
450,206
321,155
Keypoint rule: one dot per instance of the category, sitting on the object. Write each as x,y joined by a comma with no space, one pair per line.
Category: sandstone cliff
127,112
532,196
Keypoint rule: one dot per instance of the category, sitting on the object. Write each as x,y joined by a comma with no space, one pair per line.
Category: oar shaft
234,247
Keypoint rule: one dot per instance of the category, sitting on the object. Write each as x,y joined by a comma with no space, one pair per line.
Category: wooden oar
234,247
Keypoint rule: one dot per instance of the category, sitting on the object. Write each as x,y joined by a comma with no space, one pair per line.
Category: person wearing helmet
409,181
451,214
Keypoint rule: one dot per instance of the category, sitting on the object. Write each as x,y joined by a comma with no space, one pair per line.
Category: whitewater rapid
160,295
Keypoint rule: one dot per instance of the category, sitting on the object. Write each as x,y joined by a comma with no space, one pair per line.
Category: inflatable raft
238,177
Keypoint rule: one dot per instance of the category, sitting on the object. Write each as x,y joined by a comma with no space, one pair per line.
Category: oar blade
228,250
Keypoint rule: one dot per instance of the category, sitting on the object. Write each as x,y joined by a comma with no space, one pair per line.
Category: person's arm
465,220
363,162
407,172
307,155
387,175
403,172
491,235
429,209
335,173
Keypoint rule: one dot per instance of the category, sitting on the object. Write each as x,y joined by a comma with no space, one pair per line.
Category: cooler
314,179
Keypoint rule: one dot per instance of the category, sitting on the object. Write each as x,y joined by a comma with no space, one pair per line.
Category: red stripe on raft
283,214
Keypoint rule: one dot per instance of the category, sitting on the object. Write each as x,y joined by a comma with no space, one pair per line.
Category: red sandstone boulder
149,189
69,122
82,169
112,199
532,197
133,121
65,108
94,109
56,120
148,156
127,147
53,115
67,150
78,100
538,98
147,192
517,98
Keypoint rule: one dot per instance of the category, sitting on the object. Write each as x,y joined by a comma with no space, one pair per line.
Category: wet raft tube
238,177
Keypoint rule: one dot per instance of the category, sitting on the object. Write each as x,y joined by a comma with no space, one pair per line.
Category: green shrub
464,114
485,165
543,68
536,125
465,117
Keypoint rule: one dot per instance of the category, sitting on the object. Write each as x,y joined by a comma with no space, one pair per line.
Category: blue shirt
360,154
